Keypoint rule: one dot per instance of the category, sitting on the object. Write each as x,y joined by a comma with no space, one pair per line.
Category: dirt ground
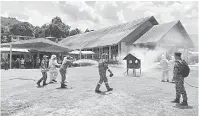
132,96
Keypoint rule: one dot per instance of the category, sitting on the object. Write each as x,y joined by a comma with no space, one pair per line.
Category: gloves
111,75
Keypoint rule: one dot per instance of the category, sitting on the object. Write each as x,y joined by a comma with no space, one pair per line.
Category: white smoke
86,61
148,57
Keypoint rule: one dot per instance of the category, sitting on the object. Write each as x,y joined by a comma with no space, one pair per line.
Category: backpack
185,69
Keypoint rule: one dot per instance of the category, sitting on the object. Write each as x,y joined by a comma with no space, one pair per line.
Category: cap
45,56
104,55
178,54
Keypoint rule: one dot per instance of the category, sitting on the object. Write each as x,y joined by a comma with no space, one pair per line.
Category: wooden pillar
10,56
92,54
110,52
99,53
119,50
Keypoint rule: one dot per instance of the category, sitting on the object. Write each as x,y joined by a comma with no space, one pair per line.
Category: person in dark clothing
17,63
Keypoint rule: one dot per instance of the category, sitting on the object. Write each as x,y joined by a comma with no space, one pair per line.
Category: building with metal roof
118,40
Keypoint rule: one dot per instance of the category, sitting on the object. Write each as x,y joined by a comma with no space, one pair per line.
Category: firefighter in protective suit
102,67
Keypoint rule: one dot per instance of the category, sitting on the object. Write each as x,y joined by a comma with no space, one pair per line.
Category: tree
56,28
75,32
39,32
23,29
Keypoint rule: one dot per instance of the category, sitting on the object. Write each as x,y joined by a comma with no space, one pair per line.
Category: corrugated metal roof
106,36
40,44
155,33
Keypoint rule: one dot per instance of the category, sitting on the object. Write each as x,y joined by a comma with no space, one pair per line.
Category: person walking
44,70
179,80
102,68
67,61
165,68
52,68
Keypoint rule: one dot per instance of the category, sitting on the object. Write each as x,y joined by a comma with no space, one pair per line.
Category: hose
190,85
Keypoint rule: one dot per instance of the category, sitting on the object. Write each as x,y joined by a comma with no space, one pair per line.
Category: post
109,52
86,54
80,56
10,56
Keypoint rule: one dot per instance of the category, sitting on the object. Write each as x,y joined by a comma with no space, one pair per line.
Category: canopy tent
82,52
40,44
193,53
14,50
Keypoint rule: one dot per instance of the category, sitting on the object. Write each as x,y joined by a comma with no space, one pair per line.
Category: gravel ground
132,96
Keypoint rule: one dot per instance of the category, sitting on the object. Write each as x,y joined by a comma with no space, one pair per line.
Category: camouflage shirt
43,66
65,65
177,70
102,66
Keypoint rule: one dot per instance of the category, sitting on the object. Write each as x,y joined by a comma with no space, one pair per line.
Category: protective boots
176,101
184,103
97,88
63,85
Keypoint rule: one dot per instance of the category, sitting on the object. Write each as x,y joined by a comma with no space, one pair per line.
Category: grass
132,96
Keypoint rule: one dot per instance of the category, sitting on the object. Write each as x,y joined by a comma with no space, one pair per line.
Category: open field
132,96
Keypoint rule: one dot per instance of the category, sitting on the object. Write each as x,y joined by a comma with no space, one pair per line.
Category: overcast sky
95,15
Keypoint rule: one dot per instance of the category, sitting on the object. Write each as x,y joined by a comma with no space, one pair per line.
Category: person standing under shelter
22,63
165,68
52,68
179,80
37,62
6,64
17,63
44,70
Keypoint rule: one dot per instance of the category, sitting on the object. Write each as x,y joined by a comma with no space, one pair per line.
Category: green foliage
56,28
22,29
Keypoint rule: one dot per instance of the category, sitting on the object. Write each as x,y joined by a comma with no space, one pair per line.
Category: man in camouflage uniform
44,70
179,81
63,69
103,66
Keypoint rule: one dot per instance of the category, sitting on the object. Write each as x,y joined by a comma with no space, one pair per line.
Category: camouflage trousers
104,79
63,75
179,83
43,78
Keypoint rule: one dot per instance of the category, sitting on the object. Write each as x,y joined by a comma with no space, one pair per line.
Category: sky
99,14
